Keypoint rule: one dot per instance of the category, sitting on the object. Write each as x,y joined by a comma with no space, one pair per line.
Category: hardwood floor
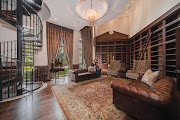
41,105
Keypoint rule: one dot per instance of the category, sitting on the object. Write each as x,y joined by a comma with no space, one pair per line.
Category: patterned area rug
89,100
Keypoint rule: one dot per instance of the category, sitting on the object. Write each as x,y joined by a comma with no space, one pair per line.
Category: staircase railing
22,14
10,82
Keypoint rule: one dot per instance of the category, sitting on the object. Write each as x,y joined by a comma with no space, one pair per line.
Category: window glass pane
80,45
62,57
80,55
80,60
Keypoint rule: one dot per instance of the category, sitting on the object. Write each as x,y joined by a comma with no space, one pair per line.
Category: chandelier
91,10
91,14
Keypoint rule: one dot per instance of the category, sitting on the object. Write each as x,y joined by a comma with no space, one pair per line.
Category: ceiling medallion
91,10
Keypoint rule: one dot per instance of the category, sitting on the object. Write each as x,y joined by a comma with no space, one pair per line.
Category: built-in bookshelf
112,47
172,23
161,50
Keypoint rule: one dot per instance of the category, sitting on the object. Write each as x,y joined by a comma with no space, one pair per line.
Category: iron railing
18,75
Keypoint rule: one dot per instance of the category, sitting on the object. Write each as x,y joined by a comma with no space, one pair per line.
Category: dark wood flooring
41,105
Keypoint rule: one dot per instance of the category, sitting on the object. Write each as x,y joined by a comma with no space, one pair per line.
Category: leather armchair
142,101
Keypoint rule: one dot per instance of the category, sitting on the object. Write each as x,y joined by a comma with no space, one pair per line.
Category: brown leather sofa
83,74
144,102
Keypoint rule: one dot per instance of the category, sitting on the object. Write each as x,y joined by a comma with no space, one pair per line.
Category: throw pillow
150,77
90,69
94,67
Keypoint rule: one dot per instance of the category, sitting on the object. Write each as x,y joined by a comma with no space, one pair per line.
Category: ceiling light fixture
91,10
91,14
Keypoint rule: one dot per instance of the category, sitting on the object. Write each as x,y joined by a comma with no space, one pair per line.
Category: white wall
41,58
143,13
146,11
8,33
118,24
76,38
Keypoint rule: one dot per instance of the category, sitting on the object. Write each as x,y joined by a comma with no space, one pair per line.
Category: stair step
8,67
8,64
39,2
9,11
12,80
33,49
37,49
28,55
29,48
30,5
27,52
32,41
38,45
6,71
6,76
8,16
33,45
8,19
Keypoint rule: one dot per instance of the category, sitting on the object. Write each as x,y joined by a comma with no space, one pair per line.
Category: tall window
80,54
62,57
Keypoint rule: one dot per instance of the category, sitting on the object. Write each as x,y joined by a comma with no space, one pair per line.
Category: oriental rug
89,100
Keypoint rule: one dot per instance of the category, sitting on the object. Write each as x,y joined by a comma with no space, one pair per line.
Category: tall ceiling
63,13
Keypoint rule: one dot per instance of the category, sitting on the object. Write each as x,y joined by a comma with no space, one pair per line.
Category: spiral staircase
18,75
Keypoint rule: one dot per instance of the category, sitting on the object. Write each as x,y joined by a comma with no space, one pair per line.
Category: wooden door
178,57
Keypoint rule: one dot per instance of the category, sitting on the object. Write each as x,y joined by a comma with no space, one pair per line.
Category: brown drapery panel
86,34
68,45
54,34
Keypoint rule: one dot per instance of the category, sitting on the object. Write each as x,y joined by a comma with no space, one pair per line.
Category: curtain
86,34
54,35
68,45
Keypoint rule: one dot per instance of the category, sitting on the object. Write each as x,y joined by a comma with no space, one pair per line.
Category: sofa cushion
138,83
150,77
112,71
91,69
132,74
84,74
81,70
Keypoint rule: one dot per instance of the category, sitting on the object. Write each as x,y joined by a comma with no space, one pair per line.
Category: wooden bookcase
112,47
161,50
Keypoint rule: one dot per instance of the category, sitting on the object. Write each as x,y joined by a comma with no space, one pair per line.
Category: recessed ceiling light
55,19
74,25
133,1
126,12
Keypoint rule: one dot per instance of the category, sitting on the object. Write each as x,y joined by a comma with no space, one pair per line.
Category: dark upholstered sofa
83,74
144,102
